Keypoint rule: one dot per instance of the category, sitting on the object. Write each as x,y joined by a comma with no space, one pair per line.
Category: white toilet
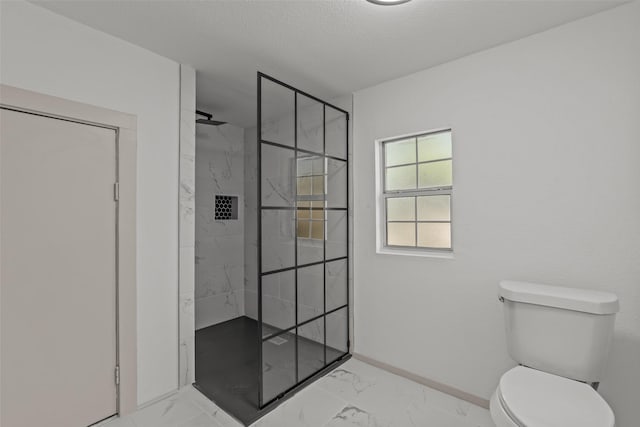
560,337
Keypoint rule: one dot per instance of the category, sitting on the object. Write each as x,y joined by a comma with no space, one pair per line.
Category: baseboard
452,391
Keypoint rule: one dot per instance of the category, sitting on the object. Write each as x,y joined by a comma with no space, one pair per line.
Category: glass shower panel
337,334
336,284
278,365
336,245
277,113
336,132
310,348
277,165
278,302
304,268
309,124
278,240
336,183
310,292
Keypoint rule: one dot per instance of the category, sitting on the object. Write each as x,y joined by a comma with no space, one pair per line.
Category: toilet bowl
527,397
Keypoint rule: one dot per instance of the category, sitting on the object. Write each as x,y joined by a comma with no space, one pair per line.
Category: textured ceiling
326,47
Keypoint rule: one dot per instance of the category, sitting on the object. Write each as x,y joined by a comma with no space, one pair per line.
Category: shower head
208,120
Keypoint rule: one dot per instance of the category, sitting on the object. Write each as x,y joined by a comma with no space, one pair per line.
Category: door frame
125,126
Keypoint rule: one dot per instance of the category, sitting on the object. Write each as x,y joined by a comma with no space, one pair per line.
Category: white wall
47,53
219,254
546,140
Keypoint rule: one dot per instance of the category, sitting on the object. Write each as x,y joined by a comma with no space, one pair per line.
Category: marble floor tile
202,420
423,415
351,416
353,395
310,407
443,401
209,408
479,417
170,412
371,389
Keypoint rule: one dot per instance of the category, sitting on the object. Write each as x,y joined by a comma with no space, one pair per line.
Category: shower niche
226,207
294,322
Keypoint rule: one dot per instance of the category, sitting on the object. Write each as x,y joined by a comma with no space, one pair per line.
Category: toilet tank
560,330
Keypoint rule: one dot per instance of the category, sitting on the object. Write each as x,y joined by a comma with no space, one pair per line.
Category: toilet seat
532,398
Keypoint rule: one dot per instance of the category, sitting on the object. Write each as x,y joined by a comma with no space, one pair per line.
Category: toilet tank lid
586,300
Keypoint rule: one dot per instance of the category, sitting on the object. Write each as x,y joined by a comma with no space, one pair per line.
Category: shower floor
227,365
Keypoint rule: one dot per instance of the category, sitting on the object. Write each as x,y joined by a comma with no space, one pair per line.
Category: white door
58,271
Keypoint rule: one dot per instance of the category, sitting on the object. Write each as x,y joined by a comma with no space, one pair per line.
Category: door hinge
117,375
116,191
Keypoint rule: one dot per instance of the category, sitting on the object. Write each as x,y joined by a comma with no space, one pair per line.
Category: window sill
418,253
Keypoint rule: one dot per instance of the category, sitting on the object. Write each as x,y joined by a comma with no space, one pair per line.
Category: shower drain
277,340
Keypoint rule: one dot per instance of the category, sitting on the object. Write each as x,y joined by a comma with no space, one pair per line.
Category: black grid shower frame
296,267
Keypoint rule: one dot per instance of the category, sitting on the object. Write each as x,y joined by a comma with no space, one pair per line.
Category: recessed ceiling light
388,2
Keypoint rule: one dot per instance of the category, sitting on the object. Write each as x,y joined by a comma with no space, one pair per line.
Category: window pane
318,165
304,186
401,234
400,152
303,210
305,166
435,146
434,208
401,178
317,213
401,209
435,174
318,185
304,228
317,230
310,246
434,235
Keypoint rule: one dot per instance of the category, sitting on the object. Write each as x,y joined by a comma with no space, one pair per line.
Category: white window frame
382,196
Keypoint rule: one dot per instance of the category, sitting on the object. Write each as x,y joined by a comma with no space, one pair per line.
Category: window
416,190
310,197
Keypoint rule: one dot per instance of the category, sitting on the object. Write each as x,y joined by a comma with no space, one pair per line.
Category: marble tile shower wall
219,244
278,189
